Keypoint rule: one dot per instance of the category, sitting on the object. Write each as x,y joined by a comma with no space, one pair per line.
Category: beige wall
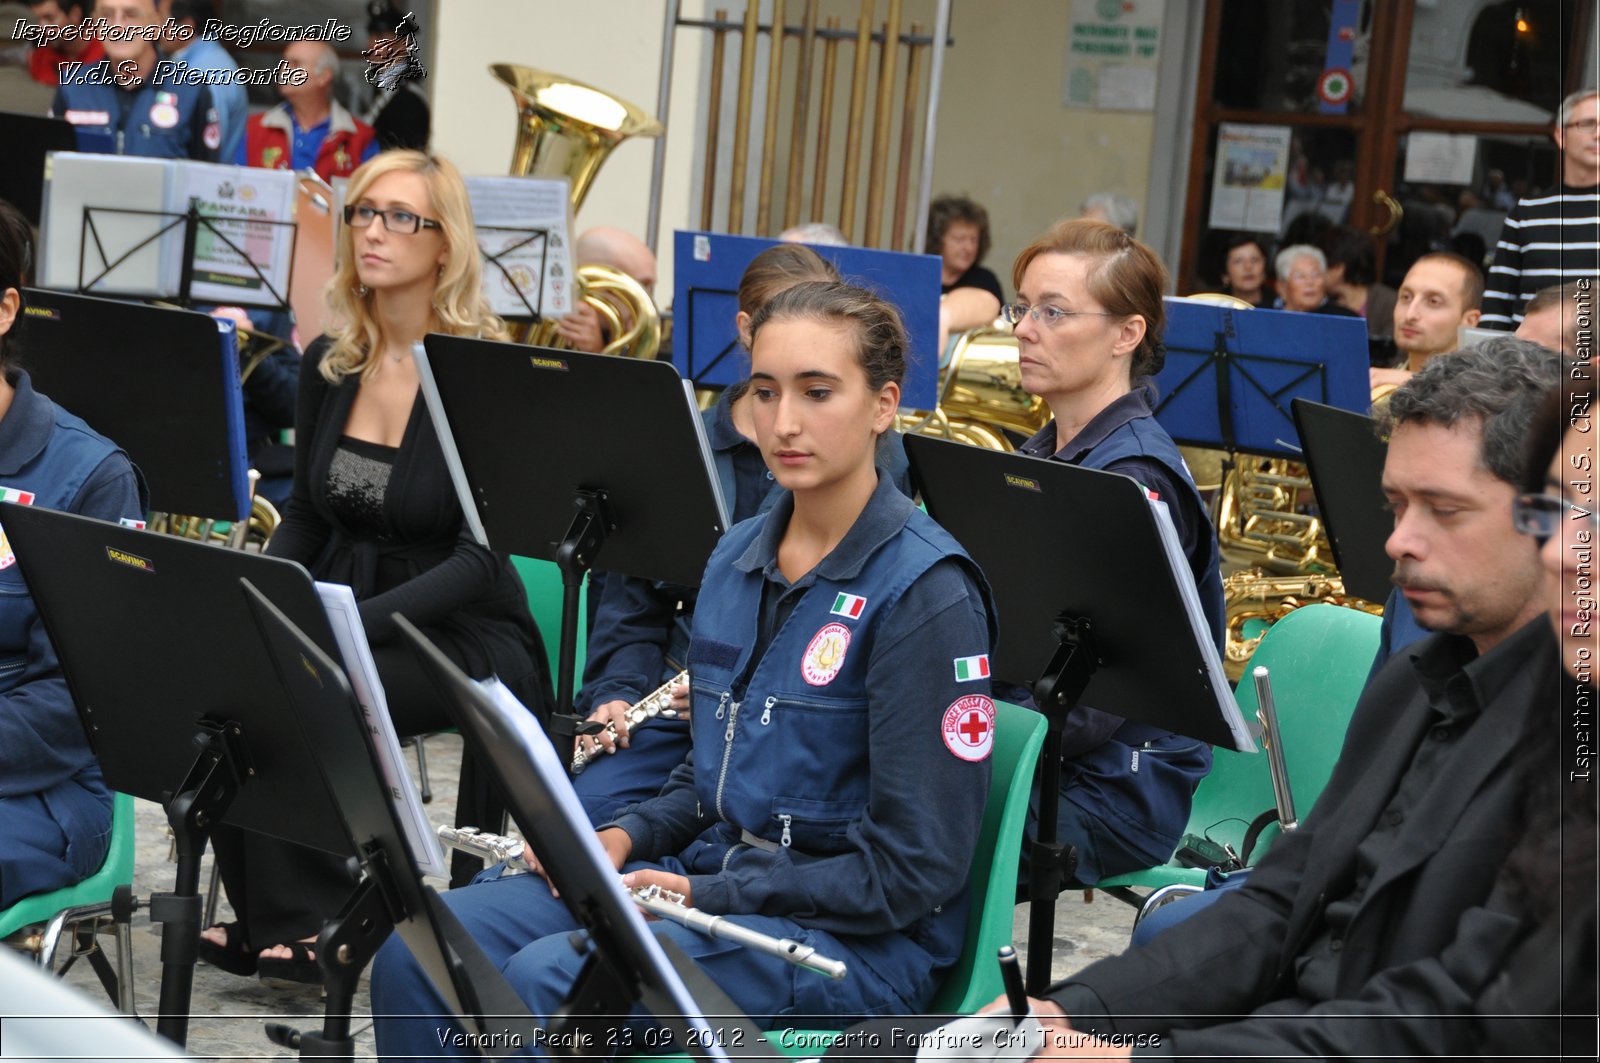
1004,136
1006,139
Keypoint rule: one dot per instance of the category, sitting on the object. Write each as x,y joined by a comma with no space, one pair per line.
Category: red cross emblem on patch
968,727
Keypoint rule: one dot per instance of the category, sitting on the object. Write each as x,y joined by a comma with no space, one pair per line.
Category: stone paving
229,1014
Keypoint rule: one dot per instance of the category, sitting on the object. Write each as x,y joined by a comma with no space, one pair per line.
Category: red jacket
44,63
267,142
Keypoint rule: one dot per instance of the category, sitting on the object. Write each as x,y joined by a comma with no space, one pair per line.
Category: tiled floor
229,1014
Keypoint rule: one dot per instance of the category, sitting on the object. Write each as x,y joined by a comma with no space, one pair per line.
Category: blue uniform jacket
50,458
166,120
856,695
1137,779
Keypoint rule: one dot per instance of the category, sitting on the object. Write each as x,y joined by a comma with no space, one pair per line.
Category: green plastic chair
1319,657
86,908
975,979
992,881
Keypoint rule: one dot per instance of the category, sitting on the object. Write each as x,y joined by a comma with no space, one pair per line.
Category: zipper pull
733,714
722,705
766,712
785,840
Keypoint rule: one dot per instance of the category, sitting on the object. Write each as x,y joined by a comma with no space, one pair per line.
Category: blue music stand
1231,374
707,268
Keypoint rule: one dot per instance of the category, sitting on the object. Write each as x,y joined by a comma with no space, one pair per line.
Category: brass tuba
981,395
628,313
566,128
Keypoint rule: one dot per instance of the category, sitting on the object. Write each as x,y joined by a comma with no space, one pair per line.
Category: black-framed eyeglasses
1588,125
395,220
1046,315
1541,515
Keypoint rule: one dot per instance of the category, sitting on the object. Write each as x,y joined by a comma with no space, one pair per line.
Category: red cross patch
968,727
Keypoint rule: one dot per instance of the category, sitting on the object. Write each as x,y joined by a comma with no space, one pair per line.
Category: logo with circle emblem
968,727
824,655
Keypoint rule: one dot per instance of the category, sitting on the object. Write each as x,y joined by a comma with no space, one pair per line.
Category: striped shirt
1546,241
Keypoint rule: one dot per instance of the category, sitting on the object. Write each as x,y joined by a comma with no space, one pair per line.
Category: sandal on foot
300,968
232,955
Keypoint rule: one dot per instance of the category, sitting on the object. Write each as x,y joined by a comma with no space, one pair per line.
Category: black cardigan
426,566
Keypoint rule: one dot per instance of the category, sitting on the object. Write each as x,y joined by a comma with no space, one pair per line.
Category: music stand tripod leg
344,948
209,788
1049,862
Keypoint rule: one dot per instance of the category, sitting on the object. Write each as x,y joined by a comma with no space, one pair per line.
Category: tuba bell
566,128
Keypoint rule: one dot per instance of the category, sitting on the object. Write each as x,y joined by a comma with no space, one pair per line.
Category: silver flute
656,703
662,903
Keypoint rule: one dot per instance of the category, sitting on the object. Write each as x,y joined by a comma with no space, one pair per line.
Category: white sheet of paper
539,267
1440,158
232,197
340,602
77,182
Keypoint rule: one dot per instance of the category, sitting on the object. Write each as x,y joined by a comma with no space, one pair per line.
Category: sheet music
340,602
519,264
74,182
544,762
233,197
1178,562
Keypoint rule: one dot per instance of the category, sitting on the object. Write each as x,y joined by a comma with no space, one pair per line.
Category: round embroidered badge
968,727
824,654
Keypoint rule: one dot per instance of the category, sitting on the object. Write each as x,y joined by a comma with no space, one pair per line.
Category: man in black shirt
1344,921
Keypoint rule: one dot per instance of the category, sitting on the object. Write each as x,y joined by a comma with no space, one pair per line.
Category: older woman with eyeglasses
373,507
1088,321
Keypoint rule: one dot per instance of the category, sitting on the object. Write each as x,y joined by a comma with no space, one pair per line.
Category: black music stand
391,894
29,139
1345,457
162,383
150,694
559,454
626,963
1079,628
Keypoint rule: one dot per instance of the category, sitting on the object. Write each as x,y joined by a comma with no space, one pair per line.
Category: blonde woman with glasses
373,507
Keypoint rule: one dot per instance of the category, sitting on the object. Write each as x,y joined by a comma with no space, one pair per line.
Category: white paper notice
524,233
1441,158
340,602
1248,181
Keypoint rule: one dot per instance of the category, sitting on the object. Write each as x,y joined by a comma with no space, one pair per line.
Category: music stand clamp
575,556
1050,863
222,766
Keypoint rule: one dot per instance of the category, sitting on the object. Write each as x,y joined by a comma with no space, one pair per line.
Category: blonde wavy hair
458,300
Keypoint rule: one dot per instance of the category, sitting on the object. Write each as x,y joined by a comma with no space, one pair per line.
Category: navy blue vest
781,743
155,121
50,479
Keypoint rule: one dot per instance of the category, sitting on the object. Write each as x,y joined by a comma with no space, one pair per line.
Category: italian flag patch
970,668
11,494
848,605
